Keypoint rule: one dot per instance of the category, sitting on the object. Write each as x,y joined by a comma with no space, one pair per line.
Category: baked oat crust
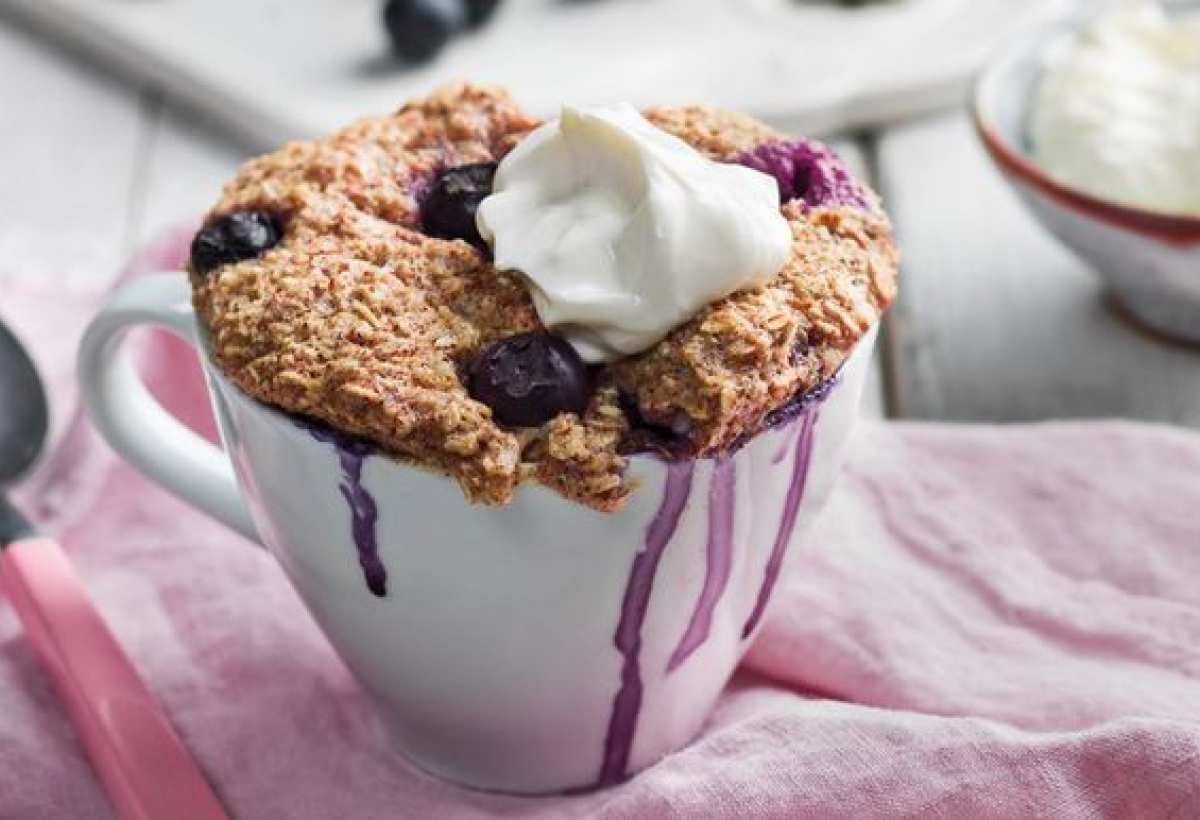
359,320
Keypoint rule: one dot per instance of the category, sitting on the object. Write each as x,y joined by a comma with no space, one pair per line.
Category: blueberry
529,379
419,29
233,237
479,11
448,210
807,170
672,438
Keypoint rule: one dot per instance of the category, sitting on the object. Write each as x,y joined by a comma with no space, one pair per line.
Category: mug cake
530,412
345,280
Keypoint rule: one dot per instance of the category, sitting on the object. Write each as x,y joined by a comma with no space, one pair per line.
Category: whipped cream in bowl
624,231
1095,122
1117,111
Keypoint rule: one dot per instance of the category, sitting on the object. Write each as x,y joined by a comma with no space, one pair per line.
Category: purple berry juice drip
618,743
806,170
719,562
364,513
799,405
787,524
786,445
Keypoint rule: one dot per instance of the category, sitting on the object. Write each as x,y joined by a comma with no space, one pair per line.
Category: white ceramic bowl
1150,261
536,647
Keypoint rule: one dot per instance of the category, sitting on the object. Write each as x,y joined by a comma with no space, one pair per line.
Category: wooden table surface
996,323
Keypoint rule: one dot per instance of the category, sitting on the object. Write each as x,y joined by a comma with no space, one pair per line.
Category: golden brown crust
359,320
745,355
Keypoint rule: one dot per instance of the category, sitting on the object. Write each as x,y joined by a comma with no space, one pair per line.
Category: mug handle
132,420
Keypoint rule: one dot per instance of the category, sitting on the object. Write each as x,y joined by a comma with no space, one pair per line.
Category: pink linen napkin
986,623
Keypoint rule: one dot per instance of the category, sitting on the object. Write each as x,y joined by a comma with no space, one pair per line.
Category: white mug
535,647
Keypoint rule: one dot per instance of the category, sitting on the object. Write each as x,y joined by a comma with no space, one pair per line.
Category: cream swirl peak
624,231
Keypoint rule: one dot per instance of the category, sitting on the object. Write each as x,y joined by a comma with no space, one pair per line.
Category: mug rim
864,344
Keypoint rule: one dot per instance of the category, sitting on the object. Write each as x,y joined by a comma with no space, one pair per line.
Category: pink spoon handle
144,766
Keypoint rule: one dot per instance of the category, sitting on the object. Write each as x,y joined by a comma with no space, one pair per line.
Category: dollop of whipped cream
1118,111
625,231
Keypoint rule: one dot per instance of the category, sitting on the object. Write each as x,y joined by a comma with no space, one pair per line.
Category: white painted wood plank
70,140
187,162
321,63
874,402
996,322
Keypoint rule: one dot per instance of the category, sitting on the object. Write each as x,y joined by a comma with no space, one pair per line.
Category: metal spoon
142,763
23,425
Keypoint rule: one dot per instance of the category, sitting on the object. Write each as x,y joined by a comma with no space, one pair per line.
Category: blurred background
121,119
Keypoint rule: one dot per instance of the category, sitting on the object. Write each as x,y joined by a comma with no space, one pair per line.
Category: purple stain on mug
781,417
719,562
618,743
364,513
787,522
787,442
801,403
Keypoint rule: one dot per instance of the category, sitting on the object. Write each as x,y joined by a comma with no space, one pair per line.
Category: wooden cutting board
272,70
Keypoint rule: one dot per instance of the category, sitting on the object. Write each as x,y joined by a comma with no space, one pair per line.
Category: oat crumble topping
359,320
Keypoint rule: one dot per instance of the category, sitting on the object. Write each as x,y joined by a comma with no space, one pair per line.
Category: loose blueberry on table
234,237
448,208
529,378
419,29
480,11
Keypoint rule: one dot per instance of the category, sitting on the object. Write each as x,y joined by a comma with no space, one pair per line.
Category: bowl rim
1173,229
